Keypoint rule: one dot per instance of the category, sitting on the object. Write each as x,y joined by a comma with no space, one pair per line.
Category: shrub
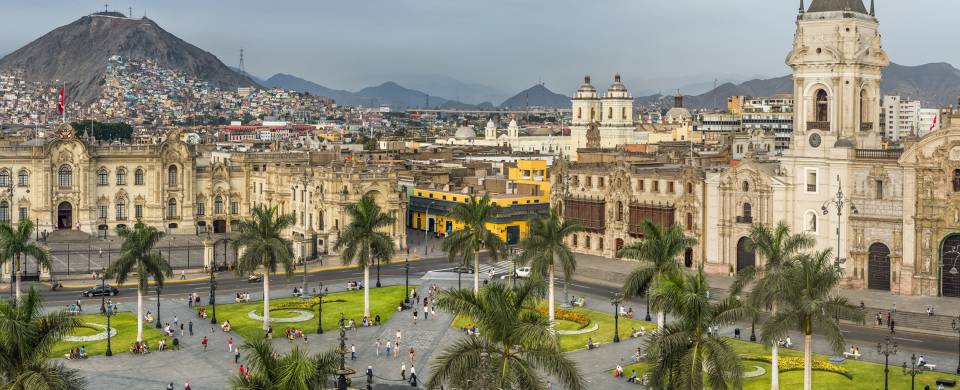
796,364
303,304
567,315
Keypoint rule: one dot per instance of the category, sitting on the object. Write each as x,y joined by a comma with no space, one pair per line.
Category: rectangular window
4,213
879,189
201,208
642,185
669,187
102,178
121,212
234,208
103,212
23,213
138,211
811,180
656,186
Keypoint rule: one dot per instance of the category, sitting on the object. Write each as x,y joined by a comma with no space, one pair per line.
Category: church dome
617,89
465,132
679,114
837,5
586,91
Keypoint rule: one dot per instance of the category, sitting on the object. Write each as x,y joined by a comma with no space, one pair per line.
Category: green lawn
383,301
126,325
866,375
603,334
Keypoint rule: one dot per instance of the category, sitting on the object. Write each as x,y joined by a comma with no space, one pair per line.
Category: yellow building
428,210
532,173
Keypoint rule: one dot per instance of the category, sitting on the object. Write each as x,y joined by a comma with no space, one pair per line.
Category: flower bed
567,315
303,304
792,363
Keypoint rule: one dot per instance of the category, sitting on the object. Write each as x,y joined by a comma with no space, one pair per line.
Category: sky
508,45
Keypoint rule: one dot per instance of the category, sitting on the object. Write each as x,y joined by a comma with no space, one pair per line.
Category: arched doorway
64,215
745,258
688,258
219,226
619,244
950,266
878,267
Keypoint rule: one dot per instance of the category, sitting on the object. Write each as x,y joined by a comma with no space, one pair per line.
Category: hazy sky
506,44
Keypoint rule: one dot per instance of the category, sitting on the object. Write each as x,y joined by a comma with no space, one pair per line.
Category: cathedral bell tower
586,110
837,59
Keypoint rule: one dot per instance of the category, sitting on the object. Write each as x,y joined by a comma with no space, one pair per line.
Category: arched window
102,179
810,221
172,176
624,113
746,186
619,211
121,209
689,221
689,188
218,205
121,177
65,176
747,212
593,114
587,242
172,208
579,112
956,180
864,107
822,106
23,178
4,178
610,113
138,177
4,212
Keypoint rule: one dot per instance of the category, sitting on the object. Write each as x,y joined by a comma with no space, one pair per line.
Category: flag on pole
934,125
61,106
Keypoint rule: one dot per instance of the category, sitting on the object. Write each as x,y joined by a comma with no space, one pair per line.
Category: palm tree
545,247
779,249
259,237
810,305
137,257
294,371
364,239
657,252
474,236
686,352
514,345
15,243
27,336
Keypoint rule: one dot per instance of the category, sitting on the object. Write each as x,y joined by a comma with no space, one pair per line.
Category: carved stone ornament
65,131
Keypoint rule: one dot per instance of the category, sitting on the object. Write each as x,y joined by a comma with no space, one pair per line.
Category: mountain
389,94
469,93
397,96
78,53
295,83
256,79
536,96
935,85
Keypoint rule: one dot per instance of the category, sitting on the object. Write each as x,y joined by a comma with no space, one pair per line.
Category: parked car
523,272
462,270
255,278
99,290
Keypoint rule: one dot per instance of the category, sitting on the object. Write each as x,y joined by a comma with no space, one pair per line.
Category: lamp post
956,328
377,260
426,228
320,295
158,307
913,370
647,303
838,202
213,295
406,282
753,326
616,300
887,348
109,329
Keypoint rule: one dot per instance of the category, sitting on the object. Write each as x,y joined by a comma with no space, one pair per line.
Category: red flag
63,99
934,122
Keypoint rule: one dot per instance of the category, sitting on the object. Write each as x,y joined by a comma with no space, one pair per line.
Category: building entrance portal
64,216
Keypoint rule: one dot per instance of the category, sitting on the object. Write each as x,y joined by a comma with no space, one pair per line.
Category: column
207,254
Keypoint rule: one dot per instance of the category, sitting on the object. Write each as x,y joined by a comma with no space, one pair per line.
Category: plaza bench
855,356
929,366
946,382
837,360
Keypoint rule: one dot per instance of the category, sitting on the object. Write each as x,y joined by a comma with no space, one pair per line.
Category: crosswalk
486,271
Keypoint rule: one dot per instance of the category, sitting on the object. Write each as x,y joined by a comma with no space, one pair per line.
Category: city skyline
654,45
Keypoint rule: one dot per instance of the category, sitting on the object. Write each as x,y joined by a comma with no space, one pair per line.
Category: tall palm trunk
550,299
807,361
16,275
661,319
774,360
266,298
139,312
476,271
366,291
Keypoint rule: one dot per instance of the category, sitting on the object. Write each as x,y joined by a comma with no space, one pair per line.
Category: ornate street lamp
320,295
406,283
887,348
377,260
913,370
616,300
213,294
109,329
838,202
158,306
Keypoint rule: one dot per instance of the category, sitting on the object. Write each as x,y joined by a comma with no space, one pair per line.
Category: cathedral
892,216
607,121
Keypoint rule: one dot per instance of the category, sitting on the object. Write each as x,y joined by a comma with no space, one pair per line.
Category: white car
523,272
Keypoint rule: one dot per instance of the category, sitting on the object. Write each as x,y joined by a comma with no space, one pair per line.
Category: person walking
204,342
170,386
186,386
176,321
236,355
387,353
403,371
893,326
396,350
415,311
190,301
190,327
378,347
412,353
230,344
241,370
413,376
353,352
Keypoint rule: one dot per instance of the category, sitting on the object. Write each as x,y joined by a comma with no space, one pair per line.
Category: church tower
836,59
586,110
490,133
513,129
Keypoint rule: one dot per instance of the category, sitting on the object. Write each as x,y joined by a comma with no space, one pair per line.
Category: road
228,283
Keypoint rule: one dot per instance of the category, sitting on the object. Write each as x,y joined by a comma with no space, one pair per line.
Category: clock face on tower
815,140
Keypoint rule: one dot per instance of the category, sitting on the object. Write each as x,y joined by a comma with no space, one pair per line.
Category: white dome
679,114
465,132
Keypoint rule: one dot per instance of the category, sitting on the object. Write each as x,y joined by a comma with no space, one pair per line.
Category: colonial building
610,201
64,182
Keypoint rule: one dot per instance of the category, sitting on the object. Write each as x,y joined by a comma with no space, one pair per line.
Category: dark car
99,290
